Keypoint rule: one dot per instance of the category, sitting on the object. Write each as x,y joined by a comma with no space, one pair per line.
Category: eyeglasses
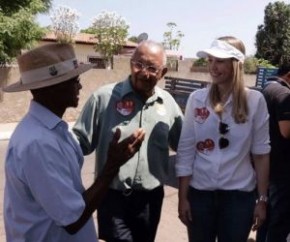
153,70
223,129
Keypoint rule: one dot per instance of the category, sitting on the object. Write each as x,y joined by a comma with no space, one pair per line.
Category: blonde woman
223,153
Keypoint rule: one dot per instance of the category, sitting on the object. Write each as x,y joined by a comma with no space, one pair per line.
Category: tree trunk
4,76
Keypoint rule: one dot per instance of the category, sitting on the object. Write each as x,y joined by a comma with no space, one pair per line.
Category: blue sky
201,21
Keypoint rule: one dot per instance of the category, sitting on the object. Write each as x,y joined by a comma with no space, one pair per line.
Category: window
99,61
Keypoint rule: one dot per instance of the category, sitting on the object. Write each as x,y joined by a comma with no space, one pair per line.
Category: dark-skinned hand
120,152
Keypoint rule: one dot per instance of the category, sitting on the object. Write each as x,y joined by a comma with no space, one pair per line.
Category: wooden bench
180,88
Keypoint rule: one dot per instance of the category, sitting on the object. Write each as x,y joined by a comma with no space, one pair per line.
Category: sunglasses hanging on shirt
223,130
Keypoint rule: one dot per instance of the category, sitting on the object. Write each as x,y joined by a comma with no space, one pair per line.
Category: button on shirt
118,106
43,190
199,155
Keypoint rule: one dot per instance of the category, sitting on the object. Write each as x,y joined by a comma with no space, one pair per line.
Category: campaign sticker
201,114
125,107
205,146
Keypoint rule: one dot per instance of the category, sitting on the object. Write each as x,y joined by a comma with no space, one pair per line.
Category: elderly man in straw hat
44,197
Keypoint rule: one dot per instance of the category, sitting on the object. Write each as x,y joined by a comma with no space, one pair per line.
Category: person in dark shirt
277,95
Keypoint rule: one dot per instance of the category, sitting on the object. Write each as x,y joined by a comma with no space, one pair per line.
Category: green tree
133,39
172,37
12,6
89,30
273,37
251,64
18,29
200,62
111,31
64,23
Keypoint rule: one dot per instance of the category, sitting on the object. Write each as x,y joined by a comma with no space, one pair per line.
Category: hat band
48,72
228,49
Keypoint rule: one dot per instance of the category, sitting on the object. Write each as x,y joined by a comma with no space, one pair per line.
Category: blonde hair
240,106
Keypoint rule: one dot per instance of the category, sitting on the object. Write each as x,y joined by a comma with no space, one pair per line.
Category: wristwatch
262,198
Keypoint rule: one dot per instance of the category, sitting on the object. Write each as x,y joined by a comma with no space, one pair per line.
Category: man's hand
120,152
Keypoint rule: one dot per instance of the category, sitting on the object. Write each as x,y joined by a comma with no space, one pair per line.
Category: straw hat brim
19,86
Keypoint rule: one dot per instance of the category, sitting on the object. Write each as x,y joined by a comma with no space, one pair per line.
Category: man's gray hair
154,44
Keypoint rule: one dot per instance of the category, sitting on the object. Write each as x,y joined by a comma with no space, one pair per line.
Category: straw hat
46,66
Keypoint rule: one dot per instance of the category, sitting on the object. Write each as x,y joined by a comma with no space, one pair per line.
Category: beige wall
82,50
14,105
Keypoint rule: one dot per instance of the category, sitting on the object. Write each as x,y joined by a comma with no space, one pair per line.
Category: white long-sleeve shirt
199,154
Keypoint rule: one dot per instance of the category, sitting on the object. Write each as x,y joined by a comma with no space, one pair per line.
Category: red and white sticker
125,107
205,146
201,114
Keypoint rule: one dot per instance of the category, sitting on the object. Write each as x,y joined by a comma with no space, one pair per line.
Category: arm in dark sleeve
175,131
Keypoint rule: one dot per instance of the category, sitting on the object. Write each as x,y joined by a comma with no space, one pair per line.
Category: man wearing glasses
131,210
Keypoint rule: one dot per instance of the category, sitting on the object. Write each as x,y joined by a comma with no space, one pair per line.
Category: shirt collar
43,115
126,88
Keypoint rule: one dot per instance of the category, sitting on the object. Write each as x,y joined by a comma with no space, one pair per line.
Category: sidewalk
170,228
6,130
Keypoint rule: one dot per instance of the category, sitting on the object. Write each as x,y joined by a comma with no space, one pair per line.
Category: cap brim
19,86
213,52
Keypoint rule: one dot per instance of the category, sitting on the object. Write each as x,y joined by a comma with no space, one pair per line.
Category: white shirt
43,189
198,152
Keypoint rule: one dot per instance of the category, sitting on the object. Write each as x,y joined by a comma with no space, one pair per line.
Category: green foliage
172,37
10,7
200,62
111,31
133,39
89,30
273,37
252,63
18,30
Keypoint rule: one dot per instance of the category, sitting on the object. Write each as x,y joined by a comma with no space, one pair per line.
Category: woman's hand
184,211
260,213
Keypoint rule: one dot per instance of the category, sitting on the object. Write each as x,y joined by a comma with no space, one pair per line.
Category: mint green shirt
118,106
